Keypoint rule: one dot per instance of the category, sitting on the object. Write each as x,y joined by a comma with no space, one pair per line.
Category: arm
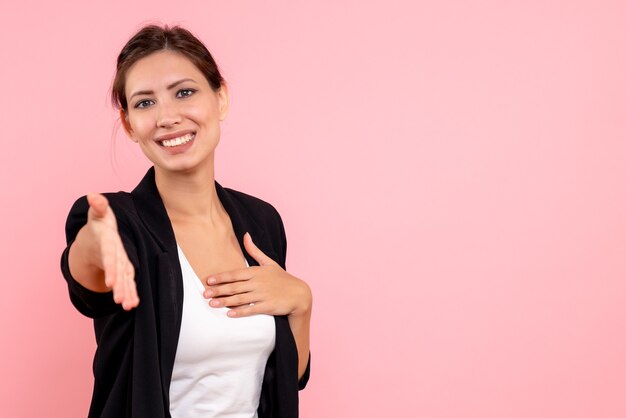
97,260
300,324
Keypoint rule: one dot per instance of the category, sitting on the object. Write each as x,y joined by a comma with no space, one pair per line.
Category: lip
174,135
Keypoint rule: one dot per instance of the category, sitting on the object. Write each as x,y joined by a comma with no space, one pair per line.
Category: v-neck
153,214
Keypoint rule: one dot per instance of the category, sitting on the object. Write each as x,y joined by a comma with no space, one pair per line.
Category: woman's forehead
160,69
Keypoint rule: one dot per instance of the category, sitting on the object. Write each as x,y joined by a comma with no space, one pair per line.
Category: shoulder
120,202
252,205
260,218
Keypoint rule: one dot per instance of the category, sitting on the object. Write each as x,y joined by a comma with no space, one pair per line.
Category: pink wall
467,159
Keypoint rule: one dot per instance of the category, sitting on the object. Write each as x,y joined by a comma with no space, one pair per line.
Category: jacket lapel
243,221
152,212
166,281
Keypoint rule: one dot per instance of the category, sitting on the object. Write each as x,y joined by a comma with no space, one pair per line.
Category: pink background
451,175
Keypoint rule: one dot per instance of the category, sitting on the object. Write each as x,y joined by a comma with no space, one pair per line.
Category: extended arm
97,258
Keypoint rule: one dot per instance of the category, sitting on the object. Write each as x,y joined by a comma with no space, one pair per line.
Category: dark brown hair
153,38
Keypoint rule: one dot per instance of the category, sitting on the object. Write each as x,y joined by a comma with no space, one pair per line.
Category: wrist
305,303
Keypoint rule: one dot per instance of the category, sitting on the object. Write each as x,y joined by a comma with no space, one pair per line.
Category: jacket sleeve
90,303
283,254
305,377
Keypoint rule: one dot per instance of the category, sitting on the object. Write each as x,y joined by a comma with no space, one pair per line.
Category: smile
174,142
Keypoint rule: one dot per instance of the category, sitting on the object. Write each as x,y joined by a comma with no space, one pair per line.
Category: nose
168,115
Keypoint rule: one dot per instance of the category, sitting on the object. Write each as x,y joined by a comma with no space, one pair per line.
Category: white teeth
177,141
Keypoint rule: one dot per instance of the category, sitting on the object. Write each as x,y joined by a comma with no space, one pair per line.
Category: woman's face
173,113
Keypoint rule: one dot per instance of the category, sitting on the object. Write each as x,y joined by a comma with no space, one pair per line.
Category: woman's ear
126,125
223,101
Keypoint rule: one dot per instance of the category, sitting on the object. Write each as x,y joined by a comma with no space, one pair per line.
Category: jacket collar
151,211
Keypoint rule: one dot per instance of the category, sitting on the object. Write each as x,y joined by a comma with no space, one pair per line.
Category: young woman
194,313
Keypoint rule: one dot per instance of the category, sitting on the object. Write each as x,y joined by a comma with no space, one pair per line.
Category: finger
127,302
230,276
228,289
135,291
232,301
118,285
255,252
98,203
108,253
131,300
247,310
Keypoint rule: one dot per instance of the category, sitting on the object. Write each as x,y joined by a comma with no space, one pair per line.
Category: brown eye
185,93
142,104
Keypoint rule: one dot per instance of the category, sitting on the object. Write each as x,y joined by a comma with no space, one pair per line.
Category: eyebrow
169,87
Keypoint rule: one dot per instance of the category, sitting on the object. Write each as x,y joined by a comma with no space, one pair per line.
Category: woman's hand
97,257
264,289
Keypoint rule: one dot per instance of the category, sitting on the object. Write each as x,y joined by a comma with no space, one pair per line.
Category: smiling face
173,113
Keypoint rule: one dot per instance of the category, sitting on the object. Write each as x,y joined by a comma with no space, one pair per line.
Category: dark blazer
136,349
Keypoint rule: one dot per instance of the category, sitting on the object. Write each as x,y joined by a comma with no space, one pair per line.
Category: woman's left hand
263,289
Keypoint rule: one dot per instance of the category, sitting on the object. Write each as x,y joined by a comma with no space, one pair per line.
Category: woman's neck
190,195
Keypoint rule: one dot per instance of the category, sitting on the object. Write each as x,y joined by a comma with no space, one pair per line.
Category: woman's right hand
98,259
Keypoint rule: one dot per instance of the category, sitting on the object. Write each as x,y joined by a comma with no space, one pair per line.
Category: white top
220,360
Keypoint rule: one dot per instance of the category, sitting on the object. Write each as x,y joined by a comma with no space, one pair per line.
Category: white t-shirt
220,360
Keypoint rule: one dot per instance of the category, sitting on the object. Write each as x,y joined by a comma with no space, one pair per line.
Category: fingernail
231,313
214,302
211,280
208,293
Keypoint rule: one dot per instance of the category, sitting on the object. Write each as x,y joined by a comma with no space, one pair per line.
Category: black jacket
136,349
